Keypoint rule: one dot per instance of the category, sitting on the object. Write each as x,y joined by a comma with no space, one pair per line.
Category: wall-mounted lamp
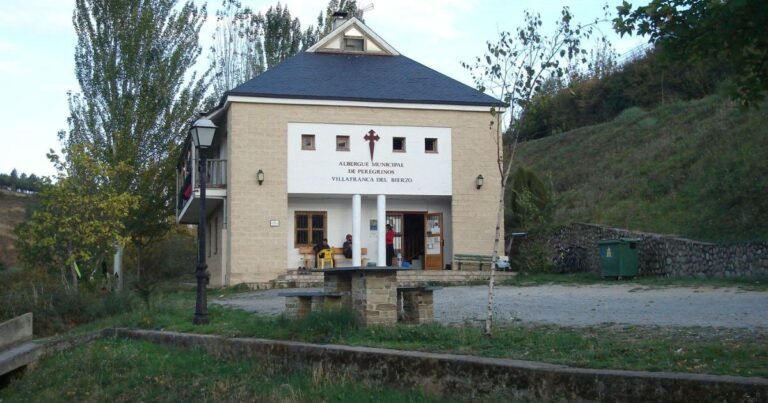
479,181
260,177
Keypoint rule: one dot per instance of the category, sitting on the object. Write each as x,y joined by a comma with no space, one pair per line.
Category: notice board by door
434,240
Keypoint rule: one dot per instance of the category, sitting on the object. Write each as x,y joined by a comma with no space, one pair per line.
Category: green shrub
238,288
630,115
57,309
532,258
116,303
529,201
166,259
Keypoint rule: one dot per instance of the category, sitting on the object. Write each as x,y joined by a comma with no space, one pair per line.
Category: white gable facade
299,168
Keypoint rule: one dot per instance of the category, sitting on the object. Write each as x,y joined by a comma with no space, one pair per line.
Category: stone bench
460,259
338,256
415,305
16,348
299,304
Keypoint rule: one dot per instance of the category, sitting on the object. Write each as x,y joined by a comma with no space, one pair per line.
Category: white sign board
369,159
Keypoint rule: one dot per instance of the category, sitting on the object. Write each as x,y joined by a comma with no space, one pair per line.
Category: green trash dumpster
618,257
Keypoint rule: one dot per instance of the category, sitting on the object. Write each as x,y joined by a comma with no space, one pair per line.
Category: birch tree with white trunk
513,69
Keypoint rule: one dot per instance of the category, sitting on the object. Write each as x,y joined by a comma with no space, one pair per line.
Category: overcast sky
37,44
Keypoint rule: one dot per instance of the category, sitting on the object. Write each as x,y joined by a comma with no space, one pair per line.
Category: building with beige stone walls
339,140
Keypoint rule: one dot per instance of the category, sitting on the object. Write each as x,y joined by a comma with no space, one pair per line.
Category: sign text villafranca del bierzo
364,171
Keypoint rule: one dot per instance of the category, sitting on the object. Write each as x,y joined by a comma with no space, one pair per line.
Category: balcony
188,195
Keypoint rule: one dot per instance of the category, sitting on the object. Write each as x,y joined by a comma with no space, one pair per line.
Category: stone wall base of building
414,278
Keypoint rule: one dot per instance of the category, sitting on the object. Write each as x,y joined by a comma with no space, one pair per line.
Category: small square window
398,144
354,44
342,143
430,145
307,141
311,227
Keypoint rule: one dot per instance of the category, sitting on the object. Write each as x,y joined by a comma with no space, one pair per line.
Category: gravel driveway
575,305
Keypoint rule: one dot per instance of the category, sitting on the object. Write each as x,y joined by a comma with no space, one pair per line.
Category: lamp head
202,132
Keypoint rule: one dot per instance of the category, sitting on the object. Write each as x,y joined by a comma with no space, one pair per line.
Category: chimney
339,17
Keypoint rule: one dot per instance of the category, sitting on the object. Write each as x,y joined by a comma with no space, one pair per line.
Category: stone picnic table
372,292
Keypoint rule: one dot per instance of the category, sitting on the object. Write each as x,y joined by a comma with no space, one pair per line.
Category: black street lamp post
202,132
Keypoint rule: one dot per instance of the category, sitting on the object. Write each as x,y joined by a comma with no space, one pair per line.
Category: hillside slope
12,208
697,169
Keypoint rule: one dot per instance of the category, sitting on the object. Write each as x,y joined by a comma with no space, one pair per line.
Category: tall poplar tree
237,53
136,99
282,35
245,44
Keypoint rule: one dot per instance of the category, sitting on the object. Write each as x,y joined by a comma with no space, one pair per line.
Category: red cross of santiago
371,138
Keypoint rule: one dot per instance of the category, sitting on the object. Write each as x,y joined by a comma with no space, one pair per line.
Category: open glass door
396,221
434,242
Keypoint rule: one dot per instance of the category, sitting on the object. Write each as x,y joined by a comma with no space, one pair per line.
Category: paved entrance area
575,305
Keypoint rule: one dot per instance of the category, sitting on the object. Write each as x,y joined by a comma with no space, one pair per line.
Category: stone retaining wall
670,256
470,377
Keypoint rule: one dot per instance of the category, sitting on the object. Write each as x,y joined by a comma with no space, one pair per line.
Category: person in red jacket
390,241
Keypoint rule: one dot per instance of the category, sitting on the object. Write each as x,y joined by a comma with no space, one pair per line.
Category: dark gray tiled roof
355,77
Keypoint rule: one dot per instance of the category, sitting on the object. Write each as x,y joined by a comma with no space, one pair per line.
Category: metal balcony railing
216,178
216,173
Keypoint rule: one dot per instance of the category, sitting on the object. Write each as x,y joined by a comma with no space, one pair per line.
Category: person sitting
321,245
346,249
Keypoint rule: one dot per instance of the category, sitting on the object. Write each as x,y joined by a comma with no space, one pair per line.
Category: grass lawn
127,371
121,370
702,350
696,169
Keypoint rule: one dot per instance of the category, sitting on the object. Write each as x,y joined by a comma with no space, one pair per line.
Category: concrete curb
16,351
16,330
469,376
